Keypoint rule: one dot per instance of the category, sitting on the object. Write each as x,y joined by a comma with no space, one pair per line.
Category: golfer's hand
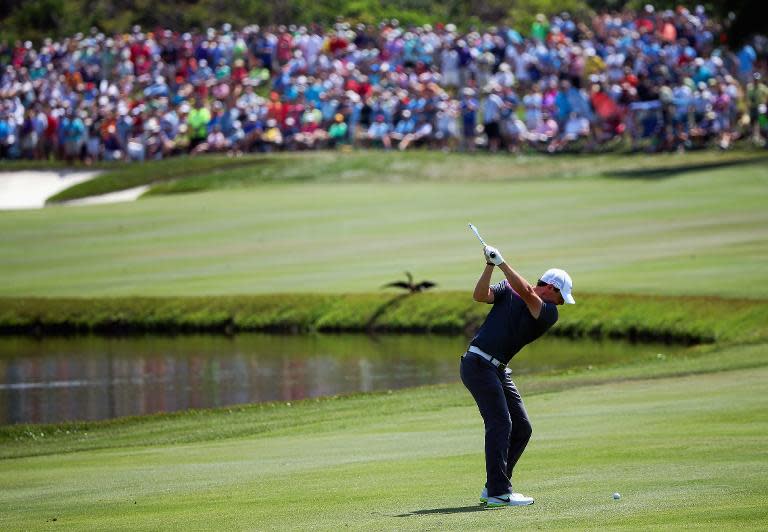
493,255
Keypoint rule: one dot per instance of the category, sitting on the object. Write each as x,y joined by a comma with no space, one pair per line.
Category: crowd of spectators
650,80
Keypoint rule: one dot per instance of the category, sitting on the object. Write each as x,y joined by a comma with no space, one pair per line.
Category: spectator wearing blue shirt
6,135
747,57
158,88
563,102
74,136
379,132
404,126
468,109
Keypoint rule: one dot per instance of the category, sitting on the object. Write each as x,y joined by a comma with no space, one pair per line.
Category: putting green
683,451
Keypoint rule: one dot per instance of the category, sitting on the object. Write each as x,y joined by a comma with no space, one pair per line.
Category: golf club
474,230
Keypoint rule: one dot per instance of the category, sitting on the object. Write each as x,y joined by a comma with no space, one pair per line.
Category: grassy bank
684,448
690,320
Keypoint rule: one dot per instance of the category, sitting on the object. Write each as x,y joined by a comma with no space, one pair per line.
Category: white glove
493,256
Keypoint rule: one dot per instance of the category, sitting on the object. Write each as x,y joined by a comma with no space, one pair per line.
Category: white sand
129,194
28,189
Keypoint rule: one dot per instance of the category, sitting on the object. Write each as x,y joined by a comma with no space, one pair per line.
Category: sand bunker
28,189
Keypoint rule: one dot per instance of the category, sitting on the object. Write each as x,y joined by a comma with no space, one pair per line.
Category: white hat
560,280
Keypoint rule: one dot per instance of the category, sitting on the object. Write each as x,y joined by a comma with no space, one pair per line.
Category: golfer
520,314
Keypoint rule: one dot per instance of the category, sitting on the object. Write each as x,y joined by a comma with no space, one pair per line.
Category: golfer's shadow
457,510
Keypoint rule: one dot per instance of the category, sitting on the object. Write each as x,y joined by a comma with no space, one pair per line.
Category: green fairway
683,451
689,225
682,438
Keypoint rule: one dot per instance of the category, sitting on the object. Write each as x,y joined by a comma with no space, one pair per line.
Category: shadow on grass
663,172
371,325
457,510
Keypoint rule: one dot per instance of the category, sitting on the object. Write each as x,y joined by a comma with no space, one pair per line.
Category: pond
88,378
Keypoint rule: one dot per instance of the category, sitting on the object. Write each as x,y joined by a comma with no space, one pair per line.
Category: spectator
405,126
492,108
273,137
447,125
420,135
28,135
93,143
337,133
290,129
762,120
469,105
513,130
112,148
576,127
379,132
7,139
757,96
540,28
545,132
74,136
198,121
655,78
311,135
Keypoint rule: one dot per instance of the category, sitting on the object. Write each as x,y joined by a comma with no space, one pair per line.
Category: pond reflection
89,378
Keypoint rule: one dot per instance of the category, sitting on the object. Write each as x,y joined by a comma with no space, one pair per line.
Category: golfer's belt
495,361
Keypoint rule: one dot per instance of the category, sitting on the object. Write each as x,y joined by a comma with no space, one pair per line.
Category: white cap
560,280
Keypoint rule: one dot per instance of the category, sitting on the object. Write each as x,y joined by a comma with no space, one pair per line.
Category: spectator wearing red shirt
239,72
51,133
20,53
337,43
646,24
142,66
140,49
277,109
284,47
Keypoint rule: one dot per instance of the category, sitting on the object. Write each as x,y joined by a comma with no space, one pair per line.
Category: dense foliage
37,19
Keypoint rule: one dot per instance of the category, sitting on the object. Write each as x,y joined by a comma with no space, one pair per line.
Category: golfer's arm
483,293
525,290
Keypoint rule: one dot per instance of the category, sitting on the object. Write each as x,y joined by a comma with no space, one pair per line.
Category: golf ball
617,496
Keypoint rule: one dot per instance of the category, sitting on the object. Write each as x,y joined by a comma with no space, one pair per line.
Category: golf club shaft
474,230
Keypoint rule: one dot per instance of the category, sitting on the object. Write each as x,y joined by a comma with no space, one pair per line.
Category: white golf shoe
509,499
484,494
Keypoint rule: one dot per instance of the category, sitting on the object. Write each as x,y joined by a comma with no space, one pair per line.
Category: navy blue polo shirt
509,325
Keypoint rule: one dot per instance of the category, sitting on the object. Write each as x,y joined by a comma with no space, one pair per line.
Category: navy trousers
507,429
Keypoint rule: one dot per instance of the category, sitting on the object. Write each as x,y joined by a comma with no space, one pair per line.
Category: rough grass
195,174
695,319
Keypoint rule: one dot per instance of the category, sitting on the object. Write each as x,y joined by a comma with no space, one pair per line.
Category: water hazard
87,378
